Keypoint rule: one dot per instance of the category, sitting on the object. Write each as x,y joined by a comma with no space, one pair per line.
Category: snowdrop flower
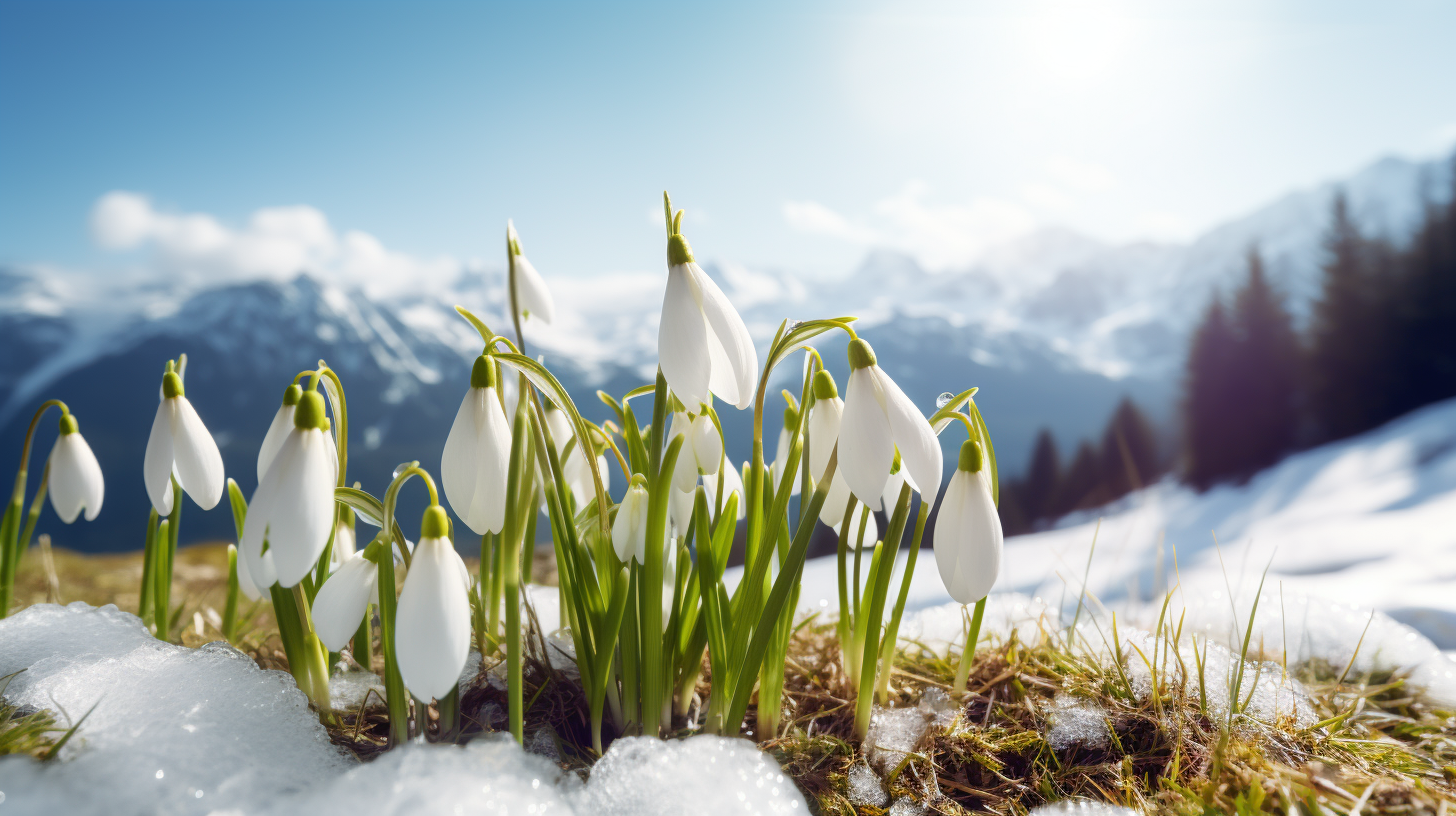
877,419
629,530
574,467
293,507
344,598
279,429
781,454
701,452
180,445
477,456
432,621
532,296
825,418
898,479
967,531
75,476
732,483
252,587
345,541
702,343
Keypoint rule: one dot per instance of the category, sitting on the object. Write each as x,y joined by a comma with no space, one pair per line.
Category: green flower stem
881,586
497,590
166,548
845,625
649,590
23,543
395,695
149,555
314,653
11,549
230,606
632,652
363,649
968,652
892,632
510,571
788,576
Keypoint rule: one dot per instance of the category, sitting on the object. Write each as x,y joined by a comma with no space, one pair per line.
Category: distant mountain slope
1054,328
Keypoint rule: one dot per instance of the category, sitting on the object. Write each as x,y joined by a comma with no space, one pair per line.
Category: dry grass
1381,748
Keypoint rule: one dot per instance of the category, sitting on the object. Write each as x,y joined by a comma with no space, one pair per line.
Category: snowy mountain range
1054,327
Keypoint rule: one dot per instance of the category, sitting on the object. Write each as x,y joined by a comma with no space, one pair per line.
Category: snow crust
205,731
1082,807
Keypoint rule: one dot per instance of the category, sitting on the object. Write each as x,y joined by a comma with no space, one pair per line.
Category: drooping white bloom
702,449
255,588
293,507
732,483
532,296
342,601
629,529
967,533
432,621
781,463
180,444
476,461
825,418
702,342
345,541
75,480
899,477
278,429
877,419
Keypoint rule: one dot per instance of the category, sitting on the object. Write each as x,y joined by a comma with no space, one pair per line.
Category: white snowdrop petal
255,524
679,512
734,345
824,421
870,534
492,466
781,462
707,446
157,465
834,503
199,462
458,461
302,512
432,622
920,452
865,447
341,602
685,470
733,483
950,535
255,588
278,431
64,484
531,293
682,339
893,484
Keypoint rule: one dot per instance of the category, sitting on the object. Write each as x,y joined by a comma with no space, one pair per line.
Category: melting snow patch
1082,807
1076,722
707,775
865,787
894,732
905,806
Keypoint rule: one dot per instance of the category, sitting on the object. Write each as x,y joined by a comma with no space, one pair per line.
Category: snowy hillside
1368,522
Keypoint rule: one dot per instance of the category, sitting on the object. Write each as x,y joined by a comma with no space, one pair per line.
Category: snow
1076,723
173,730
1081,807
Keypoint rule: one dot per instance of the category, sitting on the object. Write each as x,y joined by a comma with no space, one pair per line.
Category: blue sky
796,135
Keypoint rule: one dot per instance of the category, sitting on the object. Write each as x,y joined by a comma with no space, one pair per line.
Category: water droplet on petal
793,324
400,468
944,399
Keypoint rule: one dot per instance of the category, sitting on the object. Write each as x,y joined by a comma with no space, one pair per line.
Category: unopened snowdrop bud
702,449
279,429
75,481
344,598
629,530
781,454
702,343
432,621
293,507
967,531
878,418
476,461
825,419
180,443
532,296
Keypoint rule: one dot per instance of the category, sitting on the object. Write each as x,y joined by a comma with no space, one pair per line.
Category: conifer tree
1044,472
1424,353
1081,486
1265,375
1129,451
1209,399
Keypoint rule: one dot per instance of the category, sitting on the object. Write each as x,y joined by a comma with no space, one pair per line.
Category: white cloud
1162,226
277,243
1087,177
1046,197
940,235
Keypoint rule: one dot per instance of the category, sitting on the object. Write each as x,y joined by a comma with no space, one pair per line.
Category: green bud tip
482,374
824,387
291,394
172,385
895,465
638,480
435,524
791,419
310,411
372,551
346,515
68,424
678,251
860,354
970,456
